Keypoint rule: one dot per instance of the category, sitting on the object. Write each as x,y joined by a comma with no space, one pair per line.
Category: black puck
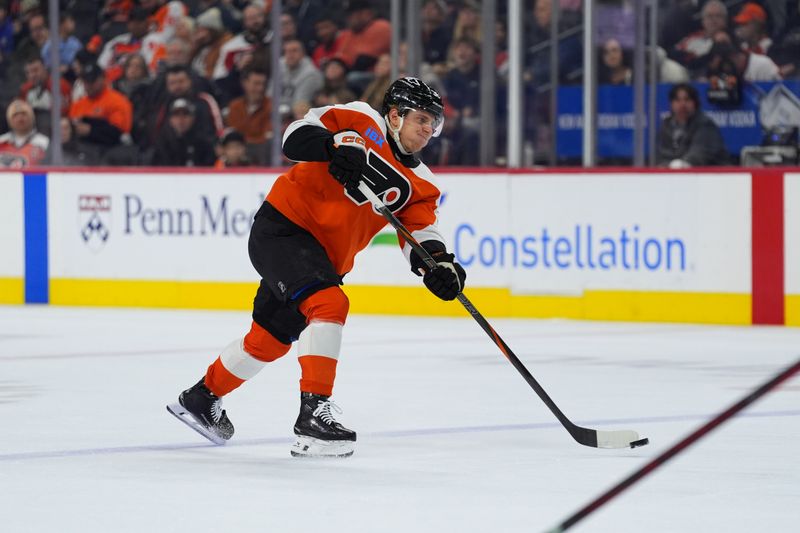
640,442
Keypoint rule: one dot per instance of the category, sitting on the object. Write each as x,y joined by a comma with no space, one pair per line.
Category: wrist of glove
446,280
348,158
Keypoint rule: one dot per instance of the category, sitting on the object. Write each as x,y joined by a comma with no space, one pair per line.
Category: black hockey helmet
412,93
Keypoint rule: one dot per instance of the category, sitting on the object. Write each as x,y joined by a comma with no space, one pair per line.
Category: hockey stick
587,437
677,448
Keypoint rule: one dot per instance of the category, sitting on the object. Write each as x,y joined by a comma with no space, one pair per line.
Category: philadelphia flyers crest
391,186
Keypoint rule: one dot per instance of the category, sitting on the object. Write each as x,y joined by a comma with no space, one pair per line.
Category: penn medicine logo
94,220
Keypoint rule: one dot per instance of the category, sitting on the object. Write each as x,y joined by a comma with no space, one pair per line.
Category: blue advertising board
740,126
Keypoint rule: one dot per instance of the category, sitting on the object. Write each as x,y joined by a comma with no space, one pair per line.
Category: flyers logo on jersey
392,187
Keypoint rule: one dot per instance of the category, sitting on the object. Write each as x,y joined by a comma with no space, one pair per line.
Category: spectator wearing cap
301,79
329,38
687,137
103,116
209,38
231,151
180,84
68,45
179,144
230,20
751,28
139,39
366,37
250,114
22,146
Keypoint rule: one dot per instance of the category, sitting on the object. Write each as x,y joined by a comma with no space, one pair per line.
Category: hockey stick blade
180,412
585,436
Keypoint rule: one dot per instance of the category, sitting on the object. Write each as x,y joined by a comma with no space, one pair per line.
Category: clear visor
436,122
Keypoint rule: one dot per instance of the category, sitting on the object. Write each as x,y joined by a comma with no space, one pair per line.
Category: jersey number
392,187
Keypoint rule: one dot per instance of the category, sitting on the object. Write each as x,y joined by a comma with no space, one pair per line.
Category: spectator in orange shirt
104,115
251,114
367,37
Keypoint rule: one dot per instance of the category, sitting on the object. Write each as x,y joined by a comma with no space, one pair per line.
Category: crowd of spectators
187,83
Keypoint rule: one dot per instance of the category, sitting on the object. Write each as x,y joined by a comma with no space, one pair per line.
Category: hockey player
304,240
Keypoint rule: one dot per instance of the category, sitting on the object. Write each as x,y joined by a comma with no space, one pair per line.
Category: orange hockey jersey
345,222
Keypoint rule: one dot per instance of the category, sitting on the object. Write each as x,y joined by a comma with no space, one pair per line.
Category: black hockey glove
349,158
447,279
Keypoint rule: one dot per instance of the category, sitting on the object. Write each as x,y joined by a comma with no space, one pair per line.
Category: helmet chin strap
396,134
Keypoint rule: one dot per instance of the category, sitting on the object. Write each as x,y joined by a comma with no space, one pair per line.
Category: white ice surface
451,438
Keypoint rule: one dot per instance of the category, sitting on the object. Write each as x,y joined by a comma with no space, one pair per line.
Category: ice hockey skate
318,433
201,410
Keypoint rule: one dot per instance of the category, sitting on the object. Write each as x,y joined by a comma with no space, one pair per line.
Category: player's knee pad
327,305
262,345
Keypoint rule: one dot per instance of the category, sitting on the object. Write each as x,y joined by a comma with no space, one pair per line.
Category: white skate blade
180,412
311,447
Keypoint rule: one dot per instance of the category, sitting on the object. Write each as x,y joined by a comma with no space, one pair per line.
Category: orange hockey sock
220,380
243,359
319,374
319,344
